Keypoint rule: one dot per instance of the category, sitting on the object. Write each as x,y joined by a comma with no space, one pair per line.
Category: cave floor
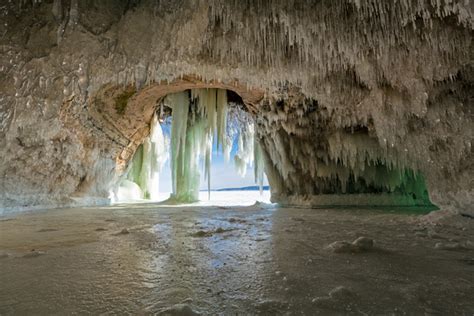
144,259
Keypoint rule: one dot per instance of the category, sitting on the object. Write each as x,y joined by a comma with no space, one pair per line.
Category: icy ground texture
142,260
80,82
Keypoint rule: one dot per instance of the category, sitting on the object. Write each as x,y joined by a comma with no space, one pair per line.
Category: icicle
258,165
180,176
221,118
158,157
207,109
208,167
211,115
195,142
196,118
245,153
142,180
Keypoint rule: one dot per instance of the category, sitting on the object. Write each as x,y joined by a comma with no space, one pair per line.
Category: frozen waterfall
200,118
142,179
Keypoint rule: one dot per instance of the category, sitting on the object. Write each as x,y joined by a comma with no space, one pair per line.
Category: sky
223,174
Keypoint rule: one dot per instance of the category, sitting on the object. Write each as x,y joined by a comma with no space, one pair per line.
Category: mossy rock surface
121,100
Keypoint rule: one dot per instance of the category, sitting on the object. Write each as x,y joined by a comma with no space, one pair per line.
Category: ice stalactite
221,104
183,165
156,147
244,156
241,128
142,179
199,117
211,108
259,165
317,157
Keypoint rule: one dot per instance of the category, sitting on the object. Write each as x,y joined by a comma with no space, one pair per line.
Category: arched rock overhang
128,126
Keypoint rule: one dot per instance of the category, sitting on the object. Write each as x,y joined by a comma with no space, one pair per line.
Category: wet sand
144,259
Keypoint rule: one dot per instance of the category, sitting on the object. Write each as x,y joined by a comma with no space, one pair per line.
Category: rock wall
346,81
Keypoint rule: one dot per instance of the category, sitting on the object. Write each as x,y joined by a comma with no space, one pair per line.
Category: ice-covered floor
141,259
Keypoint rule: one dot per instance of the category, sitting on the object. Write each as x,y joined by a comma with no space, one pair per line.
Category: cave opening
195,137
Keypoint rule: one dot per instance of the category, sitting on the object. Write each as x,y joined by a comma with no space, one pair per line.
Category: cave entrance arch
125,104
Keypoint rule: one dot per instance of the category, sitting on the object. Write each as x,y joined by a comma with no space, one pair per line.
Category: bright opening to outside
202,147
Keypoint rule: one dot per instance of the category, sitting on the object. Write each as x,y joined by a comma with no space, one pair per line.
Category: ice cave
236,157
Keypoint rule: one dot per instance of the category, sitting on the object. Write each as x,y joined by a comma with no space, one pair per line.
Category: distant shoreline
249,188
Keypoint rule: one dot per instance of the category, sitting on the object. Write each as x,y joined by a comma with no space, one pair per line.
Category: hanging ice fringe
199,117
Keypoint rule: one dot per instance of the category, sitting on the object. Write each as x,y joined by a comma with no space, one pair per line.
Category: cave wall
78,84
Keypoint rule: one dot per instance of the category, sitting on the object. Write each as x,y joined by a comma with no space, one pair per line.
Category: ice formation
199,117
333,158
244,155
142,179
